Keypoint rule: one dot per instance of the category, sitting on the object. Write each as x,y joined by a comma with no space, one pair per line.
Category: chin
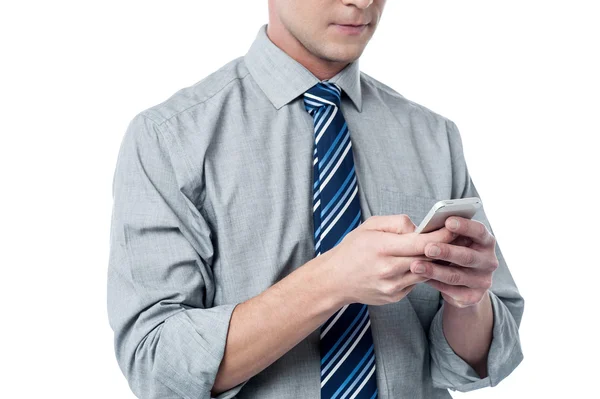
344,53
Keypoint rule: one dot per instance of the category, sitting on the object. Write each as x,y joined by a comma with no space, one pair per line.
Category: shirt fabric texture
212,205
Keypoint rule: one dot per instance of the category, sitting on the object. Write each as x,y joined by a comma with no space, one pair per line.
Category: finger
403,282
462,241
459,241
397,224
408,244
462,256
455,291
473,229
462,296
412,244
453,275
397,266
406,290
412,279
442,234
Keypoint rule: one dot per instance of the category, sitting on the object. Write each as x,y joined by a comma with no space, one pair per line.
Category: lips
350,29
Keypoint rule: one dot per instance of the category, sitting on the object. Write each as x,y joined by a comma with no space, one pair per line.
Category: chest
258,173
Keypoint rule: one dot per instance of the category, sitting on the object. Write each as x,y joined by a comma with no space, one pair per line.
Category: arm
257,336
170,339
448,369
469,332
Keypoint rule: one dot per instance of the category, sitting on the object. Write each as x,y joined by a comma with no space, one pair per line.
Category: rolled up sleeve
169,338
448,370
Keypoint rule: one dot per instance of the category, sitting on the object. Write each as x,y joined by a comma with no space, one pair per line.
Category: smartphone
442,210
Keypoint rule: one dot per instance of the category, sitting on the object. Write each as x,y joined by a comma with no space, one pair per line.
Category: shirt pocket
393,201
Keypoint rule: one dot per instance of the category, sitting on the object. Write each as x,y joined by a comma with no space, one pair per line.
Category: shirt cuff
193,347
450,371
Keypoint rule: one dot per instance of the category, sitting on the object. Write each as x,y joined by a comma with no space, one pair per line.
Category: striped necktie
346,343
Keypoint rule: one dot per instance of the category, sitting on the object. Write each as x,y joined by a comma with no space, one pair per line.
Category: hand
466,279
371,264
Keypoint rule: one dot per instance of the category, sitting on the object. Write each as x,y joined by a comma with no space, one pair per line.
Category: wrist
472,309
323,282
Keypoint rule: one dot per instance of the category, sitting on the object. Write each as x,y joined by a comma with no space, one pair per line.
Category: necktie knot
322,94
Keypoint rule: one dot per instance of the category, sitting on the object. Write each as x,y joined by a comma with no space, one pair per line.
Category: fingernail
420,268
434,251
453,224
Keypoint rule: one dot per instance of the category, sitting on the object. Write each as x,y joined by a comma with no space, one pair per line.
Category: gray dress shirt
213,204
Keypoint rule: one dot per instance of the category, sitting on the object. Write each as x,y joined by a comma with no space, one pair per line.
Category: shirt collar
282,78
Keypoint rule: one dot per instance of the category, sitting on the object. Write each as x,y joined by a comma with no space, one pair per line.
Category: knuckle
402,224
472,298
468,258
429,245
406,221
444,251
386,271
495,264
429,269
463,301
460,302
388,289
487,283
454,278
404,218
450,237
480,230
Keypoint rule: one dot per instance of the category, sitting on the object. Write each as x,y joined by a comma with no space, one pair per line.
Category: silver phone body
442,210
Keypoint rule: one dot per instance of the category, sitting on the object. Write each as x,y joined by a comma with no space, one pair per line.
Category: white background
520,79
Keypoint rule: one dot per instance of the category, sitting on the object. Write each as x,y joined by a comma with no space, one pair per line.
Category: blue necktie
346,344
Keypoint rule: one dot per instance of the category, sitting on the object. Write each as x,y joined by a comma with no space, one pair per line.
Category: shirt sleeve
448,370
169,338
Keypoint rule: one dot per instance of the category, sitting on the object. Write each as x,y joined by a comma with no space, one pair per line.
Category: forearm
469,332
264,328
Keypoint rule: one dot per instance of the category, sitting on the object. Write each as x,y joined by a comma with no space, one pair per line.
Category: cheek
303,23
304,15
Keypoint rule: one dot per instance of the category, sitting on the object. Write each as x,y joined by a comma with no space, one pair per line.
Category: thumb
398,224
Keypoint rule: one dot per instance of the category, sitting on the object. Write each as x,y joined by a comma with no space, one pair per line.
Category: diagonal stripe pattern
346,345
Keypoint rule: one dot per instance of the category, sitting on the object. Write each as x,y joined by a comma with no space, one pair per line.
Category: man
262,237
